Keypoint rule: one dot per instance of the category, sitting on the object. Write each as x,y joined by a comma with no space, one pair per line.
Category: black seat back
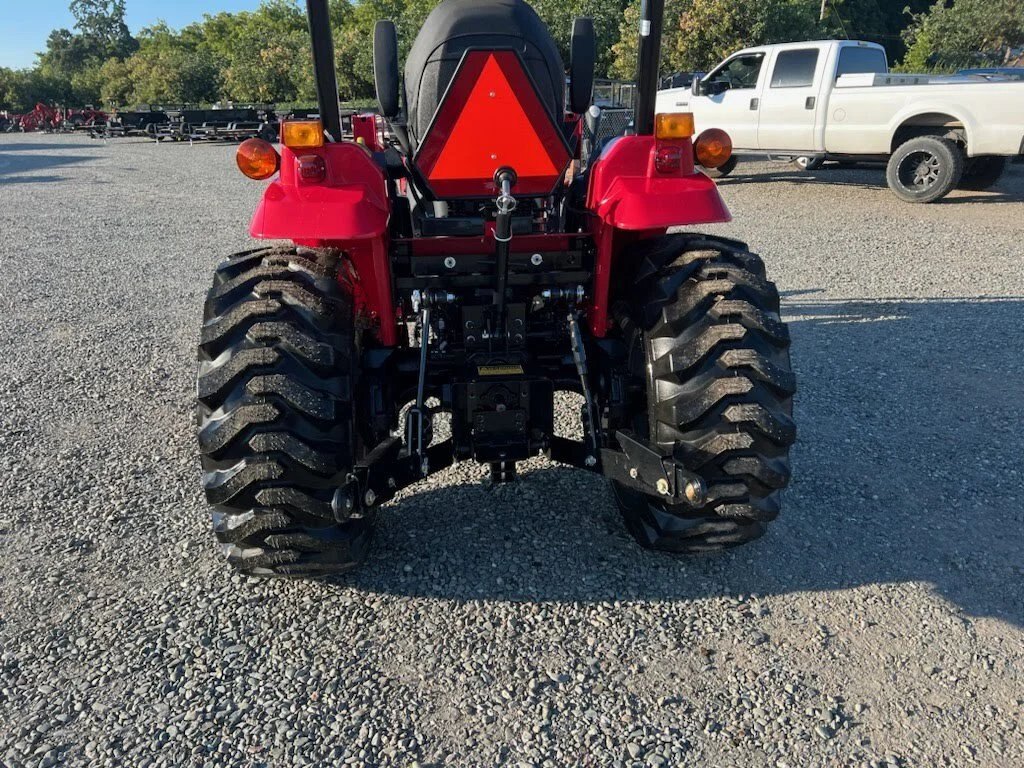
457,25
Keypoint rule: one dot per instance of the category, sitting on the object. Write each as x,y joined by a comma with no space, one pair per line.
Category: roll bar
652,19
323,67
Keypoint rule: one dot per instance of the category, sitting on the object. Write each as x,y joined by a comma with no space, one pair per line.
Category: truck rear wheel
925,169
277,361
981,173
712,354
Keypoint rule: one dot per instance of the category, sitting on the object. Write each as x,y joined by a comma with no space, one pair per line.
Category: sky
25,24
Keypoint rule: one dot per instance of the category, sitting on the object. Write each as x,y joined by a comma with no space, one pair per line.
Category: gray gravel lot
880,623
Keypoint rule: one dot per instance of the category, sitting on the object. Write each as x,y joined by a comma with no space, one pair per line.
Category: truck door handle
755,103
811,101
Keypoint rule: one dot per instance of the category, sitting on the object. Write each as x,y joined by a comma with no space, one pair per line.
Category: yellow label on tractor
500,370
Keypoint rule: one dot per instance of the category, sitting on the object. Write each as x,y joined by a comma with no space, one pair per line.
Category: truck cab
774,98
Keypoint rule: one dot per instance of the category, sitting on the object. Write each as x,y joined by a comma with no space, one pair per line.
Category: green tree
353,40
262,55
70,67
12,89
607,15
624,50
20,89
117,88
965,33
710,30
878,22
165,69
102,24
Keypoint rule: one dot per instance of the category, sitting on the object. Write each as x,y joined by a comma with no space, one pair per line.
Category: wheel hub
925,170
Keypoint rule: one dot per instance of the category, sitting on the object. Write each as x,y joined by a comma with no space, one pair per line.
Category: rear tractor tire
925,169
277,369
707,344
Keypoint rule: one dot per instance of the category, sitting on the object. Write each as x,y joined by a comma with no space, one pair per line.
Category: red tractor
89,117
475,256
42,118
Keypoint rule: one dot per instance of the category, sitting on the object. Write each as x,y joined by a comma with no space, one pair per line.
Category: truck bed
866,118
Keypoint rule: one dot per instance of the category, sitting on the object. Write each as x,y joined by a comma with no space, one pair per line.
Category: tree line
263,56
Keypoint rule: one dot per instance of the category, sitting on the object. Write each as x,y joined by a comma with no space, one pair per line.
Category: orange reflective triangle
494,131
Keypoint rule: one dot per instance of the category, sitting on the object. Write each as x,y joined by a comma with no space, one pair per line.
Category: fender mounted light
311,168
713,148
257,159
677,125
302,134
668,160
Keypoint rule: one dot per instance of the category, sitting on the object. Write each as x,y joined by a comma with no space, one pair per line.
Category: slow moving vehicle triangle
492,118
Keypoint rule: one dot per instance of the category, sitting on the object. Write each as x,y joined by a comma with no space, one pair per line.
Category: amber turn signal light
678,125
257,159
713,148
302,134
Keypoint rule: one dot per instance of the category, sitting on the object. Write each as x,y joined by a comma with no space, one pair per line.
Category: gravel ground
880,623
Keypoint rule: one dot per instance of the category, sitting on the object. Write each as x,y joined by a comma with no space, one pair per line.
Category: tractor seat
457,25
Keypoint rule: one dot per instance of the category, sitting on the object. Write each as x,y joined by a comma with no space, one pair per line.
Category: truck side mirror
695,87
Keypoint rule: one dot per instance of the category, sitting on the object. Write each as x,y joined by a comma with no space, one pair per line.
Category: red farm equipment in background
473,255
84,119
43,117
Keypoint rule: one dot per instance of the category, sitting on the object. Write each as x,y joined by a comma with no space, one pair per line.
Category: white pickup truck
836,99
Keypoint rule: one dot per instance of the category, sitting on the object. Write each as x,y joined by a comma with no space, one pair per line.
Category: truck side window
854,60
736,74
795,69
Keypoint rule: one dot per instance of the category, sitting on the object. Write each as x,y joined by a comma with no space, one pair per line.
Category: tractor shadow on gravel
907,469
39,146
27,168
1009,189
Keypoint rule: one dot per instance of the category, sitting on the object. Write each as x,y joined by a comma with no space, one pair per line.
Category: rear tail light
311,168
257,159
668,159
713,148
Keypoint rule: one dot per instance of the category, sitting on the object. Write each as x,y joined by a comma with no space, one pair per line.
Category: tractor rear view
473,257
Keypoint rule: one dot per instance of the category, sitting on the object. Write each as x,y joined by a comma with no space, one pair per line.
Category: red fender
348,210
627,192
350,204
630,198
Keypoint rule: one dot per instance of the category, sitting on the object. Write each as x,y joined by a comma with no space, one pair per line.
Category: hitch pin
505,202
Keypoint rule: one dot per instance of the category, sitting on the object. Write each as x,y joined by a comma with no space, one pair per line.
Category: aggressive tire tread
276,433
719,391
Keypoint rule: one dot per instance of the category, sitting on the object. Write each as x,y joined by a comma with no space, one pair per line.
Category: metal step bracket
643,467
